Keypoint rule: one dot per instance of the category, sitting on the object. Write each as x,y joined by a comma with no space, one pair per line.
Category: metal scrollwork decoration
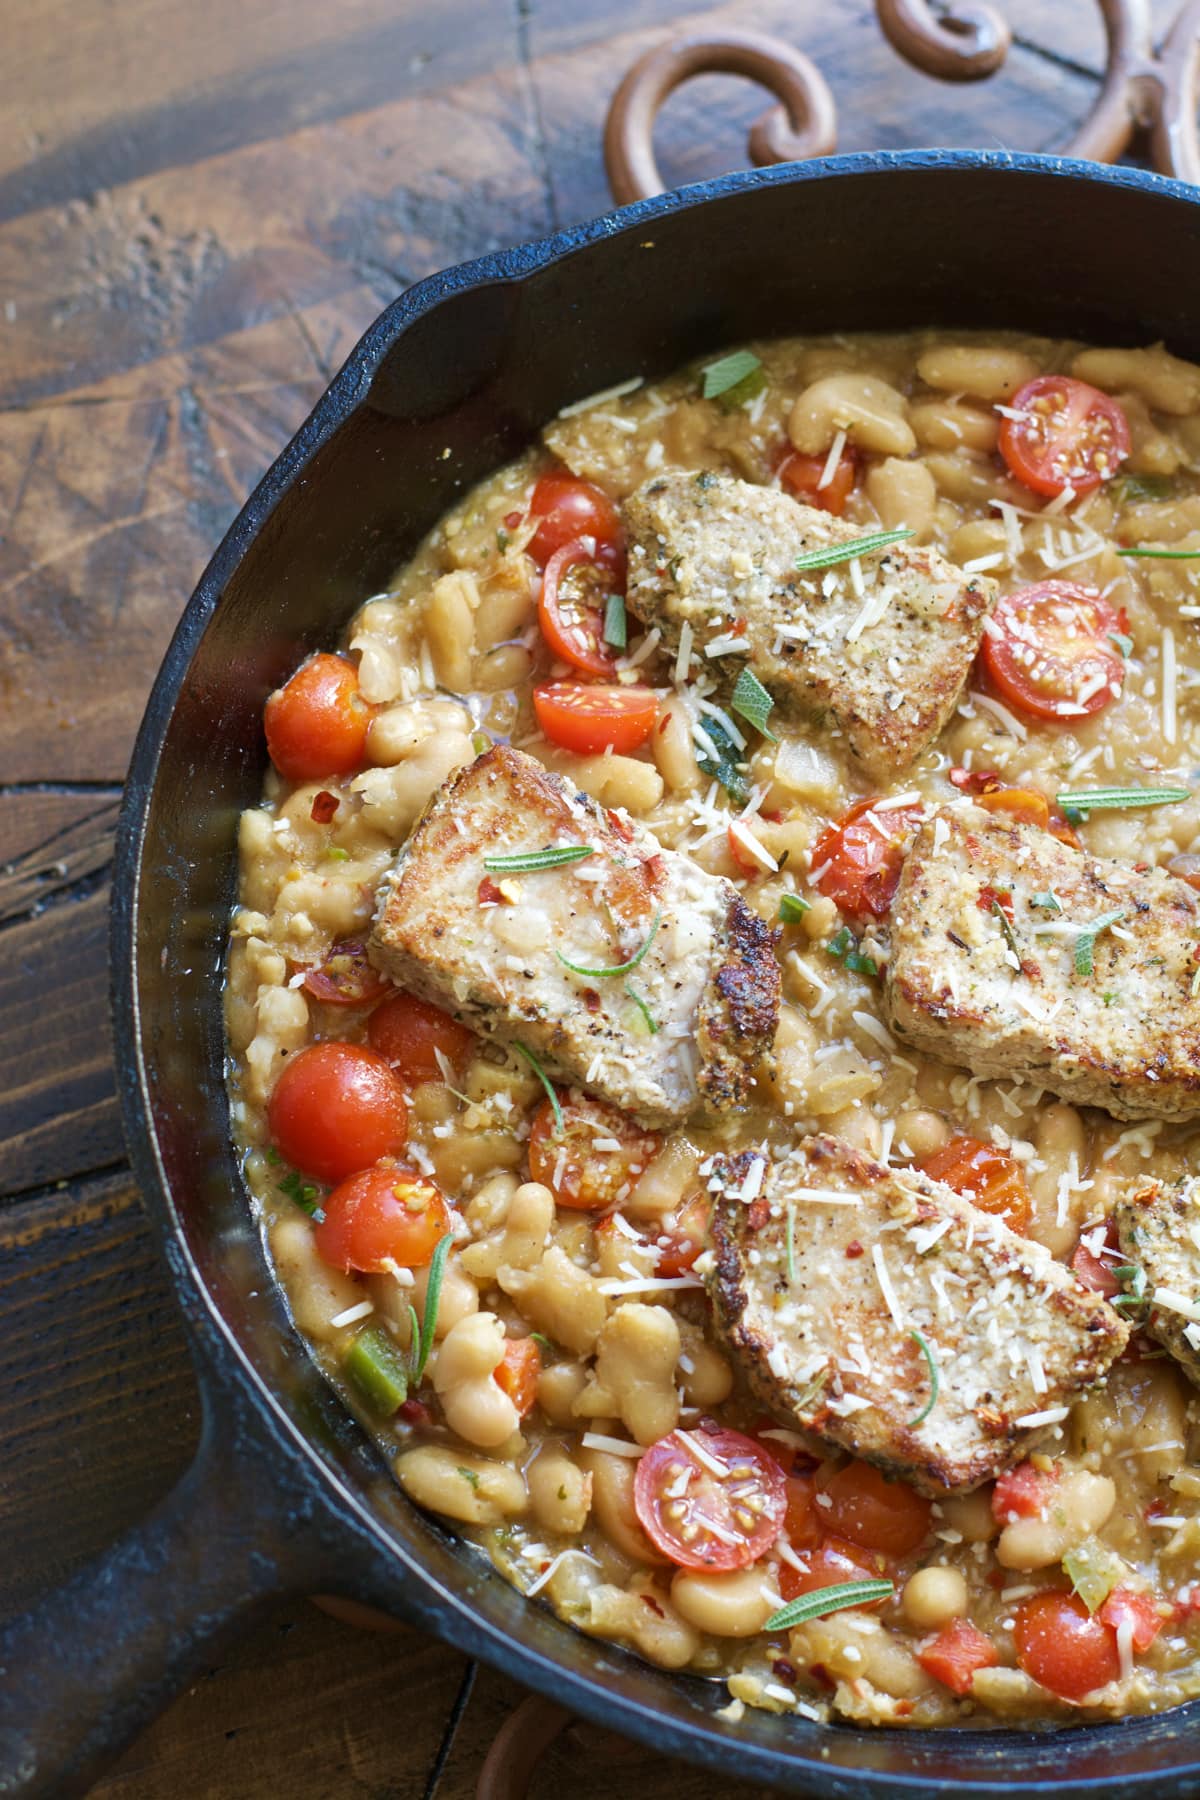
1147,89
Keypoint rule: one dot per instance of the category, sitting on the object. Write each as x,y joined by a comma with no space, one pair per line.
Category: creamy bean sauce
446,661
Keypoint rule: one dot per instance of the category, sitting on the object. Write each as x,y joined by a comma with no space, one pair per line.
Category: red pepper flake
512,520
785,1670
591,1000
652,1603
415,1412
759,1213
854,1250
990,897
655,871
821,1676
622,827
324,806
489,894
974,781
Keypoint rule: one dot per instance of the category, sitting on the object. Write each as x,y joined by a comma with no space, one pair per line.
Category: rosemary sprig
1079,801
828,1600
1010,936
846,552
421,1349
625,968
1166,555
647,1015
524,862
935,1380
546,1082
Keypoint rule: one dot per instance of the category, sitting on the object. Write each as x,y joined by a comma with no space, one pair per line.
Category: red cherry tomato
689,1479
345,978
832,1562
1022,1493
1049,650
584,1179
409,1032
802,1521
1069,1650
589,719
876,1514
1064,434
573,623
1139,1611
958,1650
1095,1272
335,1109
800,476
569,509
1027,806
859,857
316,724
517,1372
382,1216
989,1178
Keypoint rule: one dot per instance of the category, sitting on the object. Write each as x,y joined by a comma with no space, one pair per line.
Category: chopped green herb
704,480
846,552
481,743
378,1369
791,1244
1078,802
724,766
302,1193
651,1022
1005,924
525,862
792,908
1110,999
1049,901
1166,555
540,1338
468,1475
1094,1572
625,968
1123,643
828,1600
419,1351
845,947
546,1082
335,853
751,699
1144,487
935,1380
1085,943
272,1155
501,540
1132,1279
734,379
616,629
674,566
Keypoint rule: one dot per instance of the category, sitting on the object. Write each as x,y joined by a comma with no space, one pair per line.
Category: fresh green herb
616,629
935,1380
501,540
540,1338
1110,999
751,699
302,1193
704,480
468,1475
674,566
524,862
1078,802
546,1082
272,1155
481,743
625,968
1144,487
1049,901
846,552
1005,924
1133,1280
433,1291
1085,943
378,1370
734,379
335,853
792,908
1166,555
724,766
1123,643
845,947
650,1021
828,1600
791,1244
1094,1572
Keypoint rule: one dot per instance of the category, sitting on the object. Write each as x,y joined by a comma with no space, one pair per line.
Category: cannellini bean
868,410
635,1372
450,629
671,743
558,1299
475,1404
559,1387
459,1298
316,1292
735,1604
613,1507
971,1516
705,1377
506,606
903,493
560,1492
623,781
1164,381
919,1132
1058,1137
644,1616
949,425
394,798
521,1240
666,1182
399,731
466,1156
933,1596
985,371
507,666
471,1489
1079,1505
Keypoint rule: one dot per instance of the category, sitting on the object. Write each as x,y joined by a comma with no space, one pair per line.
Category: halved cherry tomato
409,1032
875,1514
832,1562
588,719
688,1479
570,509
990,1178
1140,1611
802,1523
1065,435
316,724
517,1372
583,1178
683,1237
800,476
1022,1493
859,857
335,1109
573,623
382,1216
346,978
1050,651
1069,1650
1094,1271
958,1650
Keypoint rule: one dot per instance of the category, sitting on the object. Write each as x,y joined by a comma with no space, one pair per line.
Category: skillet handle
96,1660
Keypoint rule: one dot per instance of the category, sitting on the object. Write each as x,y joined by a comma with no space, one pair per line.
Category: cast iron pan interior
454,379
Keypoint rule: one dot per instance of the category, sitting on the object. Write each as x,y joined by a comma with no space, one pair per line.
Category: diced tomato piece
990,1178
1022,1493
584,1179
346,978
1127,1606
958,1650
831,1563
517,1372
876,1514
802,1522
801,477
859,856
1096,1271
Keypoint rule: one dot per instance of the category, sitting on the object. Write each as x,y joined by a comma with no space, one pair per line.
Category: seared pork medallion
714,1018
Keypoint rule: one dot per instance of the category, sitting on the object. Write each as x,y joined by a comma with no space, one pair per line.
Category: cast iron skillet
286,1494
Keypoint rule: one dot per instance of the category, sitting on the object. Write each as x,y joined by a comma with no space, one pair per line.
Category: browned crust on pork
738,1014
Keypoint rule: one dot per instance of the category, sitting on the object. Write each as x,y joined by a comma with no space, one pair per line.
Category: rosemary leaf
935,1380
524,862
839,553
828,1600
625,968
546,1082
647,1015
437,1268
1166,555
1085,800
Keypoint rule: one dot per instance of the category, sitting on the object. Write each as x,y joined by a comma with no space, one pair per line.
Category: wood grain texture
201,208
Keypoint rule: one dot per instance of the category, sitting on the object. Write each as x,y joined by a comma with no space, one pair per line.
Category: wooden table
201,208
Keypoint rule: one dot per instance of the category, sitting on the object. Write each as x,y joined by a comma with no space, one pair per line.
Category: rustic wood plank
97,1400
52,843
